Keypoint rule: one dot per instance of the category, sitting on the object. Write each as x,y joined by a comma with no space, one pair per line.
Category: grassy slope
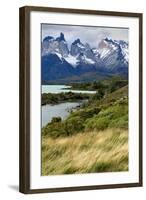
90,141
103,151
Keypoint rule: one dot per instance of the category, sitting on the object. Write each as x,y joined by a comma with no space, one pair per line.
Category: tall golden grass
89,152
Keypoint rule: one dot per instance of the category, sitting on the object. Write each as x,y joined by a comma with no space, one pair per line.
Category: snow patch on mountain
59,55
72,60
87,60
81,46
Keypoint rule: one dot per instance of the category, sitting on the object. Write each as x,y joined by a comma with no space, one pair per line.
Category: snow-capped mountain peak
117,50
110,56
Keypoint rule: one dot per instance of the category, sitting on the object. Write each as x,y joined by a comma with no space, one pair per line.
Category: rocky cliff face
58,45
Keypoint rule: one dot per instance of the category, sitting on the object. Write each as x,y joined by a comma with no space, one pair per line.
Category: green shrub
49,98
85,113
100,123
56,119
99,94
54,130
116,84
100,167
121,122
74,125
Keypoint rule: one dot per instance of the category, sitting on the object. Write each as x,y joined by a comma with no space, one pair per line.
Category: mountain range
81,62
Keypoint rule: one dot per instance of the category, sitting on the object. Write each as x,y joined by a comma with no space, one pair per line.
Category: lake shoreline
62,110
59,101
54,99
68,101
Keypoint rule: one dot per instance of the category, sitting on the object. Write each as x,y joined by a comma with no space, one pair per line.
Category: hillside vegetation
94,138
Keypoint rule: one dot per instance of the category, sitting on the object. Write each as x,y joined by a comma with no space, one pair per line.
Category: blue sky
91,35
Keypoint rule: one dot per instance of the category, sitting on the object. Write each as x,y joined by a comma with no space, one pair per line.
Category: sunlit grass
88,152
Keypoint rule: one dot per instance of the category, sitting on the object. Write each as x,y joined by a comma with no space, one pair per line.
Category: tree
99,94
56,119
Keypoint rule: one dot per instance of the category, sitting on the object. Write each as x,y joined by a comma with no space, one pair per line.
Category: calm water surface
59,110
62,88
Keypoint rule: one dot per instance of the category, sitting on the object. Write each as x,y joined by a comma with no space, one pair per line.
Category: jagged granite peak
102,44
108,39
123,43
110,56
63,48
61,37
77,41
77,47
116,50
113,53
48,38
83,52
50,45
117,43
87,45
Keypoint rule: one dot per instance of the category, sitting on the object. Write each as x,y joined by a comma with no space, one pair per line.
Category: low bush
56,119
74,125
121,122
54,130
85,113
98,123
